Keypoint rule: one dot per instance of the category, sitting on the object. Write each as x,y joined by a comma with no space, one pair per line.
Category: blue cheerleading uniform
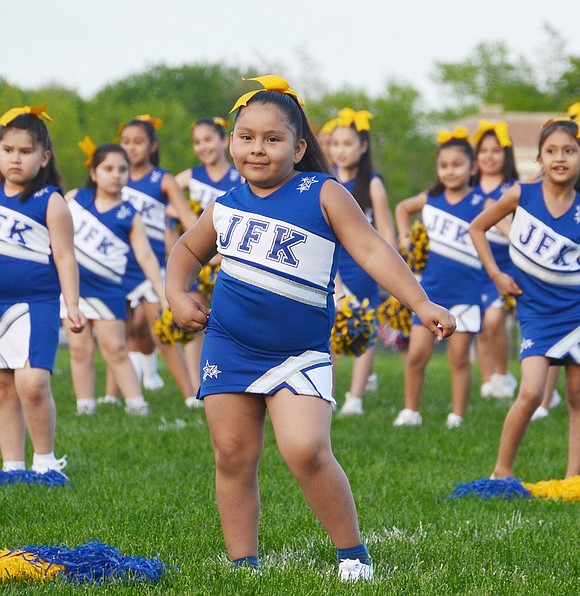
102,246
272,307
29,293
545,251
452,276
352,275
147,196
203,190
499,245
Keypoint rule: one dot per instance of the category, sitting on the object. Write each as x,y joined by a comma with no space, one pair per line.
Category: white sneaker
193,403
454,421
486,389
153,382
352,406
136,407
86,407
408,417
556,399
503,386
540,413
372,383
350,570
57,465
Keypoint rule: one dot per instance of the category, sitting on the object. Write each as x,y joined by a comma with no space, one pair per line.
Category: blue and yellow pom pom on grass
168,331
567,489
355,327
94,562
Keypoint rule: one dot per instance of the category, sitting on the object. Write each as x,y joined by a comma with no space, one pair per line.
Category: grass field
146,486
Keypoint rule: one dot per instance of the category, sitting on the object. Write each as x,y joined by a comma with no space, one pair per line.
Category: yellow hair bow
500,129
13,113
360,119
574,110
564,119
270,83
329,126
459,132
88,147
157,123
219,121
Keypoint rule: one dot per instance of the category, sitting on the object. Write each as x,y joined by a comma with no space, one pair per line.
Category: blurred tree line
403,133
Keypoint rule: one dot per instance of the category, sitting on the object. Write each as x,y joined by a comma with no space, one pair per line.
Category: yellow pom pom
19,564
396,316
417,252
168,331
354,329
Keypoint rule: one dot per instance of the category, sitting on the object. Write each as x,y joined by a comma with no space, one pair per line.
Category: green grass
147,491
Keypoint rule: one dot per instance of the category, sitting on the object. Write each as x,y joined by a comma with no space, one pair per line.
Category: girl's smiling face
21,158
208,145
491,156
454,168
264,147
560,157
136,143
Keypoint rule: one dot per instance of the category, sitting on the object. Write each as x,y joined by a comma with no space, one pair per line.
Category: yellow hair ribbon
219,121
360,119
564,119
329,126
88,147
574,110
270,83
157,123
500,129
13,113
459,132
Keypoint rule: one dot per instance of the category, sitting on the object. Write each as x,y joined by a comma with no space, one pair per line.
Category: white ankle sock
135,358
149,364
13,466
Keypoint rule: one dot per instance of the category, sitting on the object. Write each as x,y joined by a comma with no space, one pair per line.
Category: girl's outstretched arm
60,227
196,247
490,216
379,259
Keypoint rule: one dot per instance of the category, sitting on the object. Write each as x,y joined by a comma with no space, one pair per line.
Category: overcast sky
85,45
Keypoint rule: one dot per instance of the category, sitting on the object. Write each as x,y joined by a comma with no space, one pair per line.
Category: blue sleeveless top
203,190
26,262
274,290
102,245
546,253
453,273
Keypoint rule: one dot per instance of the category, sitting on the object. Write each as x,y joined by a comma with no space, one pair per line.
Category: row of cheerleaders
355,330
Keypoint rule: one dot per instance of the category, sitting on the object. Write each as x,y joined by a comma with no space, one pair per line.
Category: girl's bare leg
573,395
460,366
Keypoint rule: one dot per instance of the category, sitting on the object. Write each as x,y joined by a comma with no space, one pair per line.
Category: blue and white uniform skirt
228,366
29,333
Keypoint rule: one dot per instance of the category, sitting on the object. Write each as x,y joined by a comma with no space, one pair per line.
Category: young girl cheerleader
106,229
267,339
37,263
452,276
350,150
214,177
496,172
545,249
150,189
